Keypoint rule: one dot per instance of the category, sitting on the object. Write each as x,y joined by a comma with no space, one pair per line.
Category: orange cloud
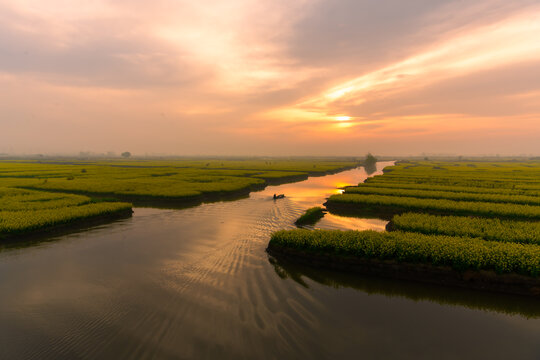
177,76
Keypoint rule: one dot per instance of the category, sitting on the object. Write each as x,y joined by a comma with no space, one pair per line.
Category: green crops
310,216
455,189
460,253
492,211
21,222
23,211
489,229
37,196
401,204
449,195
158,180
21,199
524,176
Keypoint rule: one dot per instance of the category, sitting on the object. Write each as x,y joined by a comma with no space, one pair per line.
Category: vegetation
489,229
38,195
370,164
370,159
26,211
494,190
523,176
491,213
459,196
311,216
159,180
460,253
400,204
456,189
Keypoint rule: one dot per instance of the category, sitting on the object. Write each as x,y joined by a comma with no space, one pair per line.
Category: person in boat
275,197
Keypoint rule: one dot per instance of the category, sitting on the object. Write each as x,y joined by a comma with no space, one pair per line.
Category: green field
386,204
449,195
311,216
40,195
160,180
23,212
526,232
461,253
496,190
466,215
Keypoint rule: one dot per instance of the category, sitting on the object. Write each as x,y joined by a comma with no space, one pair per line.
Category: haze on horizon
270,77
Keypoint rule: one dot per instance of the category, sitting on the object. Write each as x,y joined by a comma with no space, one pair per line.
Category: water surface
197,283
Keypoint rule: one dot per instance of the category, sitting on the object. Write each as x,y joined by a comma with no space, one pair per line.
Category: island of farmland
468,224
46,196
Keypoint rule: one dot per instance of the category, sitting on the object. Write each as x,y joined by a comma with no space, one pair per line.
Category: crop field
461,253
400,204
526,232
160,180
37,195
469,216
494,190
504,175
310,216
456,189
25,211
449,195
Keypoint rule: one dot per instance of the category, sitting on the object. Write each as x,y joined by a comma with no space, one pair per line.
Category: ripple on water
197,283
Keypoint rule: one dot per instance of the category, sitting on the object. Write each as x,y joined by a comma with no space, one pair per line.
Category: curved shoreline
442,275
182,202
65,227
149,201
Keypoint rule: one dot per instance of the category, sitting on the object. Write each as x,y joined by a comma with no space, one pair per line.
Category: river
197,283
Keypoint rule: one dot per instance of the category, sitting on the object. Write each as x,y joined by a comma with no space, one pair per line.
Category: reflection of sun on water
338,187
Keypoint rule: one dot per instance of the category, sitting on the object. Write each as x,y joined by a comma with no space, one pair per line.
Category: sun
343,118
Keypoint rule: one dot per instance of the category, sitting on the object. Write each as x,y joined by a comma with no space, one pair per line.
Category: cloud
246,76
483,63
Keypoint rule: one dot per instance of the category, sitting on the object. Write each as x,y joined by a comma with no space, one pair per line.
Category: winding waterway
197,283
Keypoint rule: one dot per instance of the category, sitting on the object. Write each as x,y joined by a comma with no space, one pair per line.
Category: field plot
172,181
25,211
526,232
40,195
459,216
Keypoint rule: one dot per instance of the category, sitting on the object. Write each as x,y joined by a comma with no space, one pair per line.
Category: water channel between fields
197,283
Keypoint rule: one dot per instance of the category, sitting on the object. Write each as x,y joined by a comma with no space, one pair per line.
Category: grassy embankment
469,251
63,193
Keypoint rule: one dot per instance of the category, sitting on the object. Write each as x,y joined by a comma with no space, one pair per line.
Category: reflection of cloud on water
316,189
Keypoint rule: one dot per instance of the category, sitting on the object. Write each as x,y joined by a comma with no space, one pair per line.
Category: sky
270,77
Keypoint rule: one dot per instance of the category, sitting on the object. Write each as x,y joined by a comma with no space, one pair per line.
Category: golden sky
270,77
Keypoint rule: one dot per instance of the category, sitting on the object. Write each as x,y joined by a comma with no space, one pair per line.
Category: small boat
279,196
